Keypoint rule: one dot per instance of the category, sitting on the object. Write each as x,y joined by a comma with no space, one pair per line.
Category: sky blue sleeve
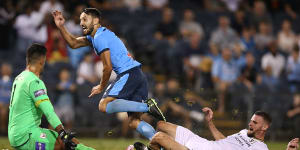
89,38
101,44
216,68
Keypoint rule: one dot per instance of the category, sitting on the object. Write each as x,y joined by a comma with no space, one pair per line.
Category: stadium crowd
236,56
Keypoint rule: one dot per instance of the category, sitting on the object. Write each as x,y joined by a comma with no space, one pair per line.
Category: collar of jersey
99,31
31,73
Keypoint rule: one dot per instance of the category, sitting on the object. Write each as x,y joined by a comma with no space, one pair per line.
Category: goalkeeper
29,101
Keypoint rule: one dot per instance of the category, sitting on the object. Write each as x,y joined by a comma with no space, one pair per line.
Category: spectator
168,27
224,73
288,8
239,21
264,37
249,72
7,15
133,5
204,81
188,25
224,36
192,58
5,91
273,61
232,5
48,6
64,106
242,91
238,55
30,27
247,39
259,13
73,26
106,4
159,91
56,47
286,37
85,71
294,114
213,53
173,106
293,69
214,6
7,12
268,80
157,4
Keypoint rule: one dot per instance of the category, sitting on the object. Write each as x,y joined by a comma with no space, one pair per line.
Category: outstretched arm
74,42
208,117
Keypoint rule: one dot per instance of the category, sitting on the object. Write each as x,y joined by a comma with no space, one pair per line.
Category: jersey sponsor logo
40,146
39,93
242,141
43,135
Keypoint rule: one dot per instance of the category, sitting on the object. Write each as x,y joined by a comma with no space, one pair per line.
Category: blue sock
121,105
146,130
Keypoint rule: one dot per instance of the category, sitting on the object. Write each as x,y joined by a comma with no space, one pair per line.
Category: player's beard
89,31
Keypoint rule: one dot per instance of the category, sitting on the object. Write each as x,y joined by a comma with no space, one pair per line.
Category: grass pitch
121,144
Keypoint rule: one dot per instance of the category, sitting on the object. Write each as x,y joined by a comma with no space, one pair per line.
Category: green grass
121,144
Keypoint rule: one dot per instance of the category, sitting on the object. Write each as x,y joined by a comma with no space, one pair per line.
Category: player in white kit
173,137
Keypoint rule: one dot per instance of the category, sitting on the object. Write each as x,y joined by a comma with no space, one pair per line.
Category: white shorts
190,140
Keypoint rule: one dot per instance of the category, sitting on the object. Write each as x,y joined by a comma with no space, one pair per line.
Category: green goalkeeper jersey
28,102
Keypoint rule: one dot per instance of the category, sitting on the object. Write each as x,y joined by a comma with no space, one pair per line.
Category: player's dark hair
93,12
265,116
34,52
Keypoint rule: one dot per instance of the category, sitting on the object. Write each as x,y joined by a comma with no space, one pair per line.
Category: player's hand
96,90
208,114
68,139
58,18
293,144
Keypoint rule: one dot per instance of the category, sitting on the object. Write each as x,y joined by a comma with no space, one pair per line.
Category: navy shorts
130,85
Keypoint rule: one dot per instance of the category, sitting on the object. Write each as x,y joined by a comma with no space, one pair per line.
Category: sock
121,105
83,147
146,130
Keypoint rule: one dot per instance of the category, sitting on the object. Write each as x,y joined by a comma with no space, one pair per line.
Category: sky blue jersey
105,39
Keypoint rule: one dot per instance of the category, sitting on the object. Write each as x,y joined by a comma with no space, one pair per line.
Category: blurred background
235,56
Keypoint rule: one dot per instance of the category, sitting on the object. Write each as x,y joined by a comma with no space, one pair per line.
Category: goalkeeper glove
67,139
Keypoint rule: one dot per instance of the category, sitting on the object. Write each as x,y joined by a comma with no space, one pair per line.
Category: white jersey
238,141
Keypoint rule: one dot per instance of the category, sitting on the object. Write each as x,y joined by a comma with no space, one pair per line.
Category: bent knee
102,105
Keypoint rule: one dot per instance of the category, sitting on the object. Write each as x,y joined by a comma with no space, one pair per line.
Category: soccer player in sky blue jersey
128,93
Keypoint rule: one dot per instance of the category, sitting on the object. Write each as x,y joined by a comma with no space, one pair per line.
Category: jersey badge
39,93
40,146
43,135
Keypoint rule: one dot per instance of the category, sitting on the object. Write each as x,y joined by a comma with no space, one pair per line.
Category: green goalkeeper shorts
40,139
